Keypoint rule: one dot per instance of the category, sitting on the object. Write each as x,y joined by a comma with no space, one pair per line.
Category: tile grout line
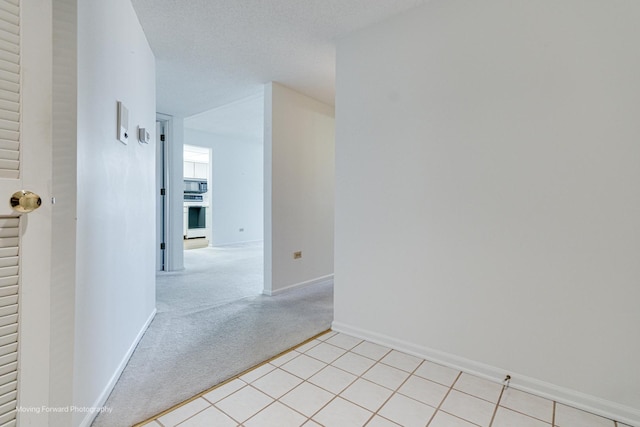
495,410
201,394
305,380
393,391
361,376
302,379
249,384
336,395
518,411
188,418
445,398
272,403
396,389
310,418
229,415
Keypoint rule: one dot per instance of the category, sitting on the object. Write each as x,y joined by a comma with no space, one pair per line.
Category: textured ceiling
212,52
242,119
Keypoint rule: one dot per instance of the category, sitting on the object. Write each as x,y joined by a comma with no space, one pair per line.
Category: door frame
161,204
173,203
64,210
163,181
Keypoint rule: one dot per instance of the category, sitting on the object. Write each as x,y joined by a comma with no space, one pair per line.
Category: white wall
115,293
487,209
299,188
236,187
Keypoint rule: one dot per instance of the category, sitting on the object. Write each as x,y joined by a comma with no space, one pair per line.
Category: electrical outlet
297,255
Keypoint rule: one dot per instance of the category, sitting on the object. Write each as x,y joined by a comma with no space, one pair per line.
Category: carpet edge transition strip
199,395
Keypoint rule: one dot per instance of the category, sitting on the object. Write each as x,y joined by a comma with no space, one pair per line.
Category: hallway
212,276
227,329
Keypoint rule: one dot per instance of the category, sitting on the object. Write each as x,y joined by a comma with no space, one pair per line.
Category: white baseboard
239,242
102,399
328,279
576,399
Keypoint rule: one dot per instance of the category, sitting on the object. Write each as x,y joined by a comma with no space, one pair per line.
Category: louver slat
9,300
9,89
9,227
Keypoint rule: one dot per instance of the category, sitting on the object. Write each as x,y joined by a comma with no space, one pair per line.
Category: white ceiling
243,119
213,52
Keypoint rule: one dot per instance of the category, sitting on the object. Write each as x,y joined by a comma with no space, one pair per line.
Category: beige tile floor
337,380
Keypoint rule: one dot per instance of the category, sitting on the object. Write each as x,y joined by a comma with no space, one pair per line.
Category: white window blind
9,269
9,89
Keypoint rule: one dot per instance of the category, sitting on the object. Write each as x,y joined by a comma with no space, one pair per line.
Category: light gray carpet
186,351
212,276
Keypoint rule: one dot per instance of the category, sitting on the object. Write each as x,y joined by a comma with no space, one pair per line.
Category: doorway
219,237
197,206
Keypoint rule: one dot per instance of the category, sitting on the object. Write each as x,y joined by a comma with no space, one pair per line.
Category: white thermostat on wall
143,135
123,123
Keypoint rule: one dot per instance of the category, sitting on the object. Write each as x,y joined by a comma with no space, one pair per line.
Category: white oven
196,219
195,216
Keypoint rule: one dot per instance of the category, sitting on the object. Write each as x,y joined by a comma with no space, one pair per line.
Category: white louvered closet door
9,227
9,89
9,239
25,242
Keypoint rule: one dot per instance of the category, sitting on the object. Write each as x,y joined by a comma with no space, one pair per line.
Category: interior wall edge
267,188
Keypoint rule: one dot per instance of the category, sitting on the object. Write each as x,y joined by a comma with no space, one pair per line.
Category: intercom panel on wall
123,123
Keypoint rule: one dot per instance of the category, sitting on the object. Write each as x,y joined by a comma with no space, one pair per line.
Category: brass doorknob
25,201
